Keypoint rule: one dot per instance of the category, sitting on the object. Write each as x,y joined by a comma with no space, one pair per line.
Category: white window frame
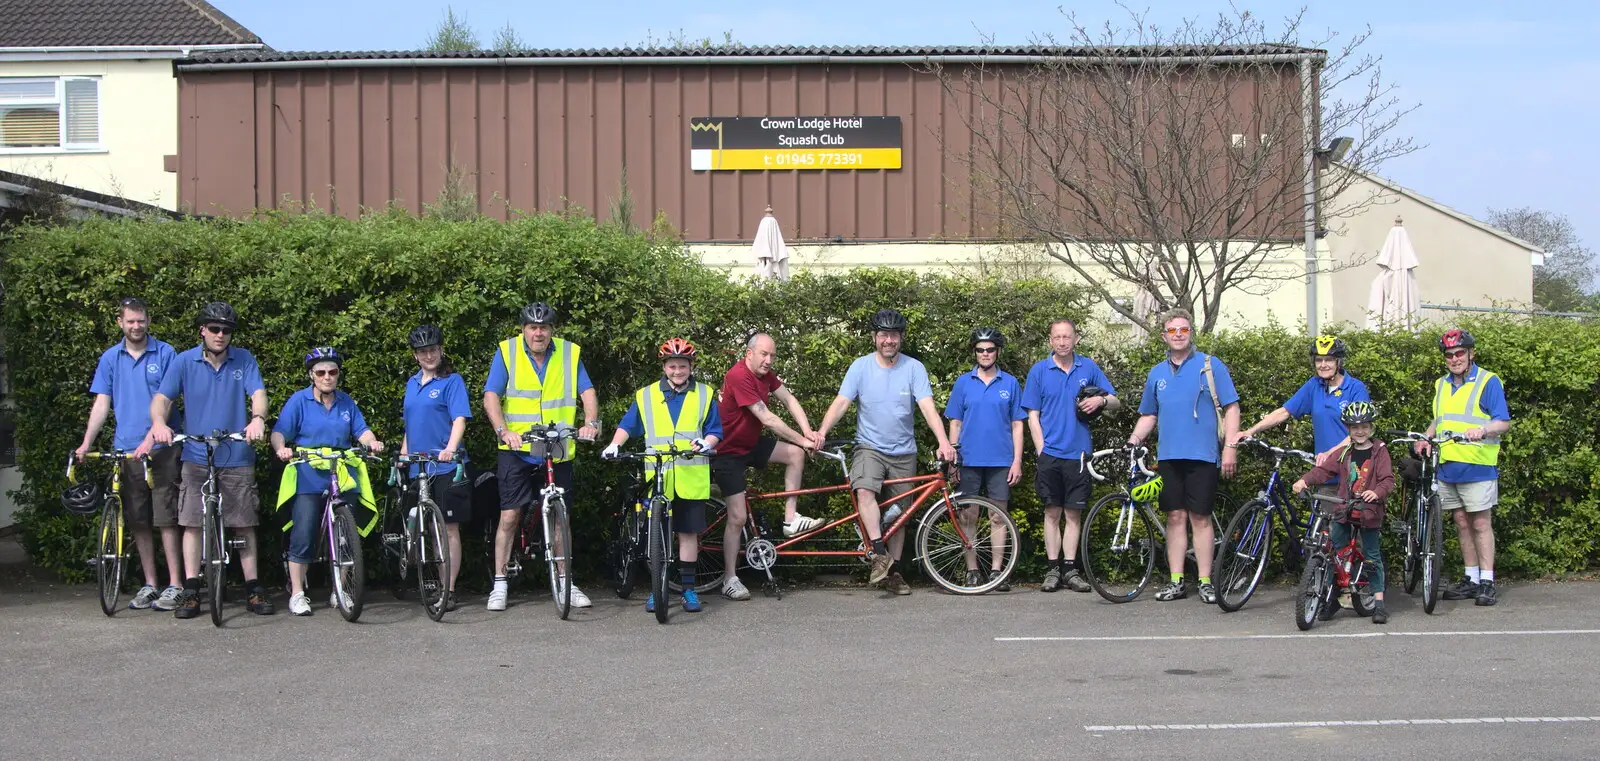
60,102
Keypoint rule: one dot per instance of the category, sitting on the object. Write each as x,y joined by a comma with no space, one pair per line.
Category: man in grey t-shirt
887,386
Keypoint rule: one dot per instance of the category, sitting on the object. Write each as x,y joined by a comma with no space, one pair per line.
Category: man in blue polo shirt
128,376
534,378
1179,405
216,379
1056,419
985,412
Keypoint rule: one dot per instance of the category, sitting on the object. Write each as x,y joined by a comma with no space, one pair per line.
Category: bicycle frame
1137,472
331,548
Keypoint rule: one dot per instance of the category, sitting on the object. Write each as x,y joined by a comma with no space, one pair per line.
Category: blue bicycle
1247,542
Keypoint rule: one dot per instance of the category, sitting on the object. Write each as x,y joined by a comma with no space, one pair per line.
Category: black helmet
1086,392
1328,346
987,334
538,313
82,498
889,319
423,336
1456,339
218,312
324,354
1358,412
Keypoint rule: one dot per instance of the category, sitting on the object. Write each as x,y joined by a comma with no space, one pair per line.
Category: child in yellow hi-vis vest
677,411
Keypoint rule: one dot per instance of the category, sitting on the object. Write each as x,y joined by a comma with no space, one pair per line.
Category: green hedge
306,280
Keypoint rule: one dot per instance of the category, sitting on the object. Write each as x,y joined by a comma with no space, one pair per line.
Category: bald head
759,352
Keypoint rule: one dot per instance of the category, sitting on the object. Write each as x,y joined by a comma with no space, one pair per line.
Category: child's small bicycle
1331,570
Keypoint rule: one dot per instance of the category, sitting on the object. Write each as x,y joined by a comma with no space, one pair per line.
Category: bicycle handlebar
216,439
115,454
304,456
1278,451
665,455
552,432
1136,456
1406,437
416,458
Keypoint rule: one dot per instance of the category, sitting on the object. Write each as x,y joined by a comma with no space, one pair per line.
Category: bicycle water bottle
889,516
411,520
1344,563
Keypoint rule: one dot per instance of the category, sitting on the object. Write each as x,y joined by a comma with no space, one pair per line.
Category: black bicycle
1247,543
644,532
214,541
1422,530
414,533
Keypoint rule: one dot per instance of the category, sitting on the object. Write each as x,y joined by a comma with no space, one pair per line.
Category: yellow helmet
1149,491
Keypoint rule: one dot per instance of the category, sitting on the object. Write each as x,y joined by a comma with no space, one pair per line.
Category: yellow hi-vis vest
528,401
1457,410
352,477
686,478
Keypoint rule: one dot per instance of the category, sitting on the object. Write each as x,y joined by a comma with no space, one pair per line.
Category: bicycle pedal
236,543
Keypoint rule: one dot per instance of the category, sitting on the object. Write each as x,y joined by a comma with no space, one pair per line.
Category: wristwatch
500,431
595,423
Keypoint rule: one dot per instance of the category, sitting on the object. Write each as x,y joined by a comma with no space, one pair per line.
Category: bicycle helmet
424,336
1328,346
987,334
538,313
1149,491
889,319
676,348
217,312
1087,392
324,354
83,498
1456,339
1359,412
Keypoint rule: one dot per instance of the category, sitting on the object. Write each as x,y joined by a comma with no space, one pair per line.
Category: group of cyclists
1189,402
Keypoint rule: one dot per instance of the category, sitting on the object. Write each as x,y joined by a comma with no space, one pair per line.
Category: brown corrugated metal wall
540,138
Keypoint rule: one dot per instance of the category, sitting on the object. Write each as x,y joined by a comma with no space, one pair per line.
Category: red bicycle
1331,570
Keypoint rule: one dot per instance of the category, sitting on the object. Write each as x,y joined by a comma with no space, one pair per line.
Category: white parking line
1364,723
1361,635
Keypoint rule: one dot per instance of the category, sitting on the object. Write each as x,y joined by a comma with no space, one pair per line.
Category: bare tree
453,34
1566,281
1170,161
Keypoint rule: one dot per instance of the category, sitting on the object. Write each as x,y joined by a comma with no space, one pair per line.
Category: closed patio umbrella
772,256
1393,301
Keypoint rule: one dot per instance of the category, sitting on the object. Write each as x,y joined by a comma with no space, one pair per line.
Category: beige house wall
1461,261
138,128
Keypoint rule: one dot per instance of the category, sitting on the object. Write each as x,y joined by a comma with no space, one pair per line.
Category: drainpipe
1309,148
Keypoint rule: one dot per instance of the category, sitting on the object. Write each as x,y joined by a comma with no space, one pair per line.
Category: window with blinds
61,113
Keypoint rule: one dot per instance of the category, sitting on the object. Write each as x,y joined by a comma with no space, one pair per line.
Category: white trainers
144,598
800,525
497,597
299,605
333,601
579,599
734,589
169,598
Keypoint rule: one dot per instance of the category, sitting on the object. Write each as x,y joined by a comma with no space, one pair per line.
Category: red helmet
676,348
1456,339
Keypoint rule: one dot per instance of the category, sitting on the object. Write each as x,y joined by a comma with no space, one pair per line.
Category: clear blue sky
1507,91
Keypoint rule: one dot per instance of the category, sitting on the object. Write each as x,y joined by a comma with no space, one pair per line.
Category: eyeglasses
219,330
1177,331
1457,354
986,350
329,373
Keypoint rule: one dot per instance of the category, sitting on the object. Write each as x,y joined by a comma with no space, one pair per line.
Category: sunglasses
219,330
1457,354
330,373
986,350
1177,331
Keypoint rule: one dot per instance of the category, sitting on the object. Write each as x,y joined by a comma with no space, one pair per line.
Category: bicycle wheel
620,555
1118,548
708,570
1242,559
109,560
345,564
558,535
394,548
214,548
1362,601
1432,554
658,556
1411,545
967,524
1314,583
432,560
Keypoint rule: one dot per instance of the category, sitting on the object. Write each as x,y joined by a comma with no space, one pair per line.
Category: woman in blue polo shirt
1323,397
319,415
436,413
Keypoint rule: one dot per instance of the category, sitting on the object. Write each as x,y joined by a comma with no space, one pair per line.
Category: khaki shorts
152,506
1473,496
237,486
869,468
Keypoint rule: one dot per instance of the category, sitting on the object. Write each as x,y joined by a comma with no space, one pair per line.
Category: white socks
1472,574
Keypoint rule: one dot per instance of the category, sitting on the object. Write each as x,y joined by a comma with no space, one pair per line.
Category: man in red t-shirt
743,404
